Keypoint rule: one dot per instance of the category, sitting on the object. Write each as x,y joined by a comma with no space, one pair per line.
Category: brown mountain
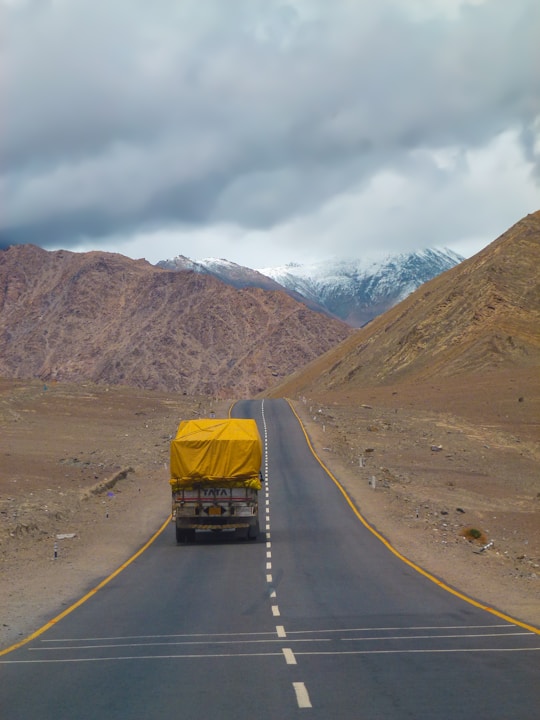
240,277
103,317
482,314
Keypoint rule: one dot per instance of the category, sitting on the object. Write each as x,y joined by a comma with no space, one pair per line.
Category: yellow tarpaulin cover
218,453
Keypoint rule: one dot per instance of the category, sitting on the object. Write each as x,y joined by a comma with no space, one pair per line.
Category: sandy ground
84,484
84,471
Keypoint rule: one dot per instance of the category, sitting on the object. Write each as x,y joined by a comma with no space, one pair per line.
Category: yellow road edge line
393,550
88,595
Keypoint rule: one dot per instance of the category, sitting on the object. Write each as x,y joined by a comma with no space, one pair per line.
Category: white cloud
256,128
460,199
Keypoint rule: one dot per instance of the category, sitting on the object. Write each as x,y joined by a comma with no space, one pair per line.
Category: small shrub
473,534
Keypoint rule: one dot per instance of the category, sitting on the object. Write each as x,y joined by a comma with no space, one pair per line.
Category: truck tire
253,531
184,537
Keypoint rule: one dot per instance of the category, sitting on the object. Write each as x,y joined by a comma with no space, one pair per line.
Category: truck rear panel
209,508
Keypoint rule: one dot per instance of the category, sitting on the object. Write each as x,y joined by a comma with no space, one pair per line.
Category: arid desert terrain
84,482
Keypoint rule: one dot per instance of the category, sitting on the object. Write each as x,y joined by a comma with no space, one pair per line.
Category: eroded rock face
103,317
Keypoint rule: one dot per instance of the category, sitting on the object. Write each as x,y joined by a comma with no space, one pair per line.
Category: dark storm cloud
126,115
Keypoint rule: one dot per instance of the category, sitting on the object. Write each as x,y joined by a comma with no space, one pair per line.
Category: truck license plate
215,510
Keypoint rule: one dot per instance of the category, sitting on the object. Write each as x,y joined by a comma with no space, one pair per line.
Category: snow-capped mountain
355,290
225,270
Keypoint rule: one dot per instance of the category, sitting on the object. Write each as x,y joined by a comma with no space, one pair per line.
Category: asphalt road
317,619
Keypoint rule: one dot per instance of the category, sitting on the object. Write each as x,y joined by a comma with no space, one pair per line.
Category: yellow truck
216,477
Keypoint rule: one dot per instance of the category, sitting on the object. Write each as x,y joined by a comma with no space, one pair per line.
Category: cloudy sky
267,131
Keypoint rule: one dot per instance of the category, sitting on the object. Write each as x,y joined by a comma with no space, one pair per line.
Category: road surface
317,619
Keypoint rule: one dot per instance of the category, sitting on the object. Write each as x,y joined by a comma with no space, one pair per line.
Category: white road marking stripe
268,553
281,631
268,578
302,696
263,654
405,628
273,594
268,565
426,651
433,637
289,656
158,637
269,544
139,657
165,644
275,610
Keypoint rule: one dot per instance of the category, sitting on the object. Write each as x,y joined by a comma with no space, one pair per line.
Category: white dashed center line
289,656
302,696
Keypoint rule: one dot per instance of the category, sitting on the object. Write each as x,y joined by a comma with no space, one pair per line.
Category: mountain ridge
353,289
239,276
106,318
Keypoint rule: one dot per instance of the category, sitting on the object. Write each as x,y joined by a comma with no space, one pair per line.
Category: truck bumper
217,523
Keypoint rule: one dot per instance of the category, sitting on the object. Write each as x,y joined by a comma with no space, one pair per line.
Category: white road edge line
302,695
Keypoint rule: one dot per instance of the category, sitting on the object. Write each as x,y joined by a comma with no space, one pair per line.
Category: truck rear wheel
184,536
253,531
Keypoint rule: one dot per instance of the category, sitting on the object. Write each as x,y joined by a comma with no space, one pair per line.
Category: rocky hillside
482,314
239,277
103,317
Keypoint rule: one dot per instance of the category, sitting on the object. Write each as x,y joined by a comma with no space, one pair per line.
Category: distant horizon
464,250
372,256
